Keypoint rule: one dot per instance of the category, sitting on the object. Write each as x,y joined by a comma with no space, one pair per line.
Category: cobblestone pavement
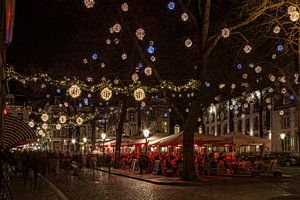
103,186
28,191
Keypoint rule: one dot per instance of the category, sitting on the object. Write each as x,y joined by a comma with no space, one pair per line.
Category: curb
57,191
187,183
155,182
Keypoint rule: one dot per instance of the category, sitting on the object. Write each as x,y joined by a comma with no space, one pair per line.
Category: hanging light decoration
276,29
295,16
291,10
135,77
31,124
40,132
188,42
124,56
258,69
79,121
247,48
117,28
139,94
62,119
44,117
45,126
281,112
272,77
89,3
58,126
184,16
106,94
225,32
148,71
74,91
124,7
140,33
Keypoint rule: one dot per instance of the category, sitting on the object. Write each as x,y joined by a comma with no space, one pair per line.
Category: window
213,116
268,120
218,117
225,113
213,130
287,142
255,123
239,126
207,130
247,126
176,129
224,128
219,130
164,127
200,130
285,120
131,117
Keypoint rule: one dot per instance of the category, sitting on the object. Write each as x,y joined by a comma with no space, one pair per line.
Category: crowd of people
160,163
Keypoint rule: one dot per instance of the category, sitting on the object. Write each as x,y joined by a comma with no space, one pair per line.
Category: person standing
108,163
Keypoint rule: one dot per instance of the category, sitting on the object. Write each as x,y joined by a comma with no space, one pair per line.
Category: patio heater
282,136
146,134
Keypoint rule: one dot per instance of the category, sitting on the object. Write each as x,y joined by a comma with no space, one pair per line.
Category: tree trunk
93,136
189,172
119,133
261,108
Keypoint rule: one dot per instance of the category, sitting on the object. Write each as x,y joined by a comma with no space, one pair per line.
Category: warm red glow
4,111
195,145
142,145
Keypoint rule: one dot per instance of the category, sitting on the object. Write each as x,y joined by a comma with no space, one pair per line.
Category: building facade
279,121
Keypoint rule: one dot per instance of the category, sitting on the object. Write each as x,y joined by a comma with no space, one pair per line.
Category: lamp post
103,136
73,142
146,134
282,136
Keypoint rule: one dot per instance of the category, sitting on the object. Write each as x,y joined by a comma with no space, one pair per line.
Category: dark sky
41,31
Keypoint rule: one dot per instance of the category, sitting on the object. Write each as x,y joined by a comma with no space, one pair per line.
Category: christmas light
74,91
106,94
139,94
44,117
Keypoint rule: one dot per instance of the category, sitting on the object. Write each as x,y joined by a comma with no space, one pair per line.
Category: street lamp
84,139
146,134
282,136
73,142
103,136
